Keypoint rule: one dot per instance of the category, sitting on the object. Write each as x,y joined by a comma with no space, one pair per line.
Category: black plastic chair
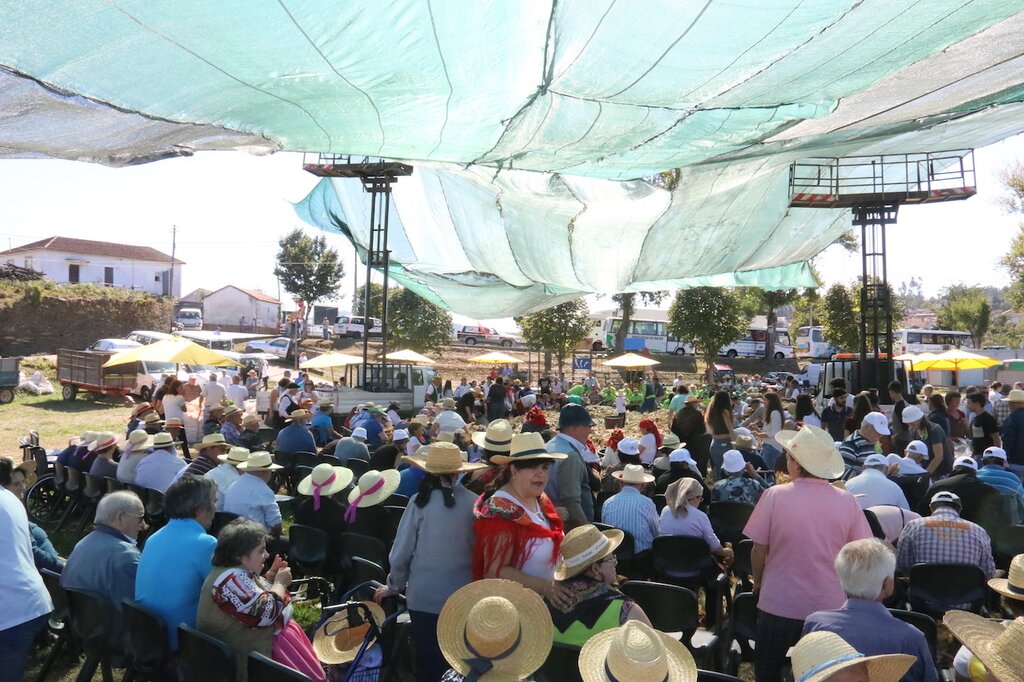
561,665
914,488
937,588
926,624
263,669
299,472
396,514
396,500
682,554
87,623
145,642
670,608
1007,542
742,566
202,658
307,549
660,502
59,614
358,467
364,571
728,519
742,630
876,527
624,555
711,676
221,519
330,459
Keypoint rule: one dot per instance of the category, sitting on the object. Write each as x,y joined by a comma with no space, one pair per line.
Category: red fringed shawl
501,524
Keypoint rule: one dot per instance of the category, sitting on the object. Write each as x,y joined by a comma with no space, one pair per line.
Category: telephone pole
170,288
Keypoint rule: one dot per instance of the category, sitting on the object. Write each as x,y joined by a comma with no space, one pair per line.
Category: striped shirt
944,538
1007,482
631,511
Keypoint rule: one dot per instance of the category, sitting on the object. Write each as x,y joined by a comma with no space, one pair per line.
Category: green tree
308,268
416,323
711,317
557,329
967,309
376,300
839,325
1012,177
766,302
627,304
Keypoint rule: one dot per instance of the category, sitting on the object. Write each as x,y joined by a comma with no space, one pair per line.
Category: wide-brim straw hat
636,651
374,487
814,450
525,447
497,438
505,623
321,475
691,399
745,442
442,458
164,440
140,408
235,455
583,546
174,423
336,642
261,460
299,414
633,473
152,419
670,440
1012,586
210,441
1000,648
250,419
231,410
819,655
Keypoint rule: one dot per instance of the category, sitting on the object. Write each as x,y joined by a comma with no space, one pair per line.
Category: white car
114,345
279,347
349,326
147,337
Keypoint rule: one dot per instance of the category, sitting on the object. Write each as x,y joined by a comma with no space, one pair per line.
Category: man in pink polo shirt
798,529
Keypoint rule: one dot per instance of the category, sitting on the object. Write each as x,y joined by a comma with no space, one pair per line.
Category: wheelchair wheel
41,499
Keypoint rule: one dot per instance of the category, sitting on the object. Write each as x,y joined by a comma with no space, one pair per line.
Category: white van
190,318
354,326
147,337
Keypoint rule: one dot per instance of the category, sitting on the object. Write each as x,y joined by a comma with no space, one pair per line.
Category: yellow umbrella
327,360
631,361
910,357
176,349
957,360
496,357
410,356
923,361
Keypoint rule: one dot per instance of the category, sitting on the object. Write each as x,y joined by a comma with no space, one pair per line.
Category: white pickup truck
406,386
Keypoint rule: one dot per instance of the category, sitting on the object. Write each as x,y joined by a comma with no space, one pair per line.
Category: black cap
574,415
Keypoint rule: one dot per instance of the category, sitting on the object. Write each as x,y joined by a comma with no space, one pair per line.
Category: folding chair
926,624
145,643
937,588
263,669
728,519
562,665
307,549
202,658
671,609
86,612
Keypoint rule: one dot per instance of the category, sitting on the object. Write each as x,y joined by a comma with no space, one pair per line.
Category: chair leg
88,669
108,676
88,513
129,674
51,657
68,512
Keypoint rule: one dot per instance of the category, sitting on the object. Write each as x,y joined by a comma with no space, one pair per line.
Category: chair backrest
95,486
60,473
710,676
561,665
742,565
396,500
145,637
307,546
923,622
363,546
74,478
202,658
396,514
306,459
876,527
670,608
263,669
113,485
42,464
1007,542
154,502
626,550
660,502
57,595
364,571
357,466
221,519
87,620
744,617
937,588
680,553
728,519
330,459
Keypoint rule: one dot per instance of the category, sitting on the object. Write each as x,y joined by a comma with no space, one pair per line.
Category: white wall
227,306
129,274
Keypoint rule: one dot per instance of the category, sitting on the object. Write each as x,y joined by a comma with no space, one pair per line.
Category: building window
73,274
108,275
156,278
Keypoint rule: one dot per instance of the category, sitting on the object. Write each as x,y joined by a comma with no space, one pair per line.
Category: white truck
405,385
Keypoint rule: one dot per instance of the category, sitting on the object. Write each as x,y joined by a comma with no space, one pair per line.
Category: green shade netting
544,93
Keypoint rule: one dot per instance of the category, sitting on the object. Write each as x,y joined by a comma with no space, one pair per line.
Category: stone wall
41,322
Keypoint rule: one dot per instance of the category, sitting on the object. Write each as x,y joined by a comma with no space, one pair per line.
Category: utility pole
170,288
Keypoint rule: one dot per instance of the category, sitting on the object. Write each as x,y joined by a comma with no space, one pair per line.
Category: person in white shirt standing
449,420
213,393
872,487
620,407
237,392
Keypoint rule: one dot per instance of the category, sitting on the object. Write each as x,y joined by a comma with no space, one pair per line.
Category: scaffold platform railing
349,166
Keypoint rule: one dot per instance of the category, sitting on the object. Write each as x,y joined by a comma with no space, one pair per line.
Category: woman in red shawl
518,532
650,441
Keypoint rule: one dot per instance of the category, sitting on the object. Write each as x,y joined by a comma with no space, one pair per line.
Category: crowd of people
514,526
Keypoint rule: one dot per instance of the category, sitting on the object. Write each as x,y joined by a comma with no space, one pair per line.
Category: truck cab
859,378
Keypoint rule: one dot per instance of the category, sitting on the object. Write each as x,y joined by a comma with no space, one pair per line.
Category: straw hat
258,461
636,651
1012,586
298,414
497,438
140,408
212,440
999,648
250,419
336,642
174,423
501,627
448,404
527,446
745,442
235,456
164,440
231,410
328,479
633,473
152,419
374,487
584,546
139,440
670,441
1015,396
691,399
441,458
216,408
814,450
819,655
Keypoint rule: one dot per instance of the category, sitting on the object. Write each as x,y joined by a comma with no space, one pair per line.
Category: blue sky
230,208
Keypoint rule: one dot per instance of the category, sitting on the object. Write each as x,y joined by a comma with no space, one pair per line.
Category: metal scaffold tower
874,188
377,176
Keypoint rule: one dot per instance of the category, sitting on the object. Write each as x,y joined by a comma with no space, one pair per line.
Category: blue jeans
430,663
15,644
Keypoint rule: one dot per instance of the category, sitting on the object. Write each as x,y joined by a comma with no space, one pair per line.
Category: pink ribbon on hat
316,490
350,513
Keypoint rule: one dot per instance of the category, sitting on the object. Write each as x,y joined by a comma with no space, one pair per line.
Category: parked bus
930,340
810,343
650,328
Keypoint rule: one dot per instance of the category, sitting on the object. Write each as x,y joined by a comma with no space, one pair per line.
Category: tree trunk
769,342
627,304
547,363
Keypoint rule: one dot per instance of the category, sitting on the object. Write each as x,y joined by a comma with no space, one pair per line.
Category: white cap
918,447
681,455
893,458
877,421
946,497
965,461
993,451
400,434
876,461
628,446
742,431
733,462
912,413
359,432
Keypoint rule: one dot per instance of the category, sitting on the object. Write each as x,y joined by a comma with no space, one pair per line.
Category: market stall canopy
331,360
630,361
531,125
176,349
498,358
409,356
956,360
922,361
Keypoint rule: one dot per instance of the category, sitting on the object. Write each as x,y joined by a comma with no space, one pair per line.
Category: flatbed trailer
83,370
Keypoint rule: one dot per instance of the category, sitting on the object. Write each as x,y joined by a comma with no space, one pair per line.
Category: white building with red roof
234,308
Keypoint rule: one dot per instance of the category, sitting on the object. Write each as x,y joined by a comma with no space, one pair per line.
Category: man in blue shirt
296,436
375,426
176,559
993,472
1012,432
866,568
322,426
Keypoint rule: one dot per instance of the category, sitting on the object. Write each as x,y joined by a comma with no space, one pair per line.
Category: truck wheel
69,392
779,356
506,344
144,393
6,395
731,353
470,341
680,351
597,345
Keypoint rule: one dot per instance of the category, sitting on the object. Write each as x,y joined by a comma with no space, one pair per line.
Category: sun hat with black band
1012,586
999,647
211,440
527,446
442,458
337,640
497,437
820,655
495,631
164,440
260,460
298,415
633,652
235,456
584,546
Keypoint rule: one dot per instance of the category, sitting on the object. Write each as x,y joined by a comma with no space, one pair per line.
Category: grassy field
57,420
